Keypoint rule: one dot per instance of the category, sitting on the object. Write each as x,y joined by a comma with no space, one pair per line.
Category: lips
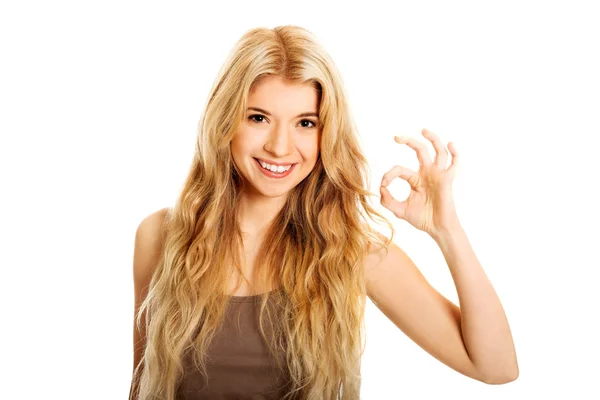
274,163
276,175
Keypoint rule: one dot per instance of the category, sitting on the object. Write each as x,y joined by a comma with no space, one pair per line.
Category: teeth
274,168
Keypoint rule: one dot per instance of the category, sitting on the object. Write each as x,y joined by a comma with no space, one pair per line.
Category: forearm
485,328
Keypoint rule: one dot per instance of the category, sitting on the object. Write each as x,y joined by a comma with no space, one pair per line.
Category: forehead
276,95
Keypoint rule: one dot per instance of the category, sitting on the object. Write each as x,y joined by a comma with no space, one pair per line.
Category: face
276,146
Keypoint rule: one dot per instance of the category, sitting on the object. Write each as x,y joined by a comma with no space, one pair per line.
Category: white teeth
274,168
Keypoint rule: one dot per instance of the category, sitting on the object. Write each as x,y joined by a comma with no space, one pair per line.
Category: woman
275,209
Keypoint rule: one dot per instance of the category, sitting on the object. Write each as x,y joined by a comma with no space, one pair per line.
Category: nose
279,141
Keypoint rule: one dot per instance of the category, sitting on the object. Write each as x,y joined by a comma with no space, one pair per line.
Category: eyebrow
305,114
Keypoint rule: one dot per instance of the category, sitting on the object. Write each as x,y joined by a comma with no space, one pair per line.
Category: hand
430,205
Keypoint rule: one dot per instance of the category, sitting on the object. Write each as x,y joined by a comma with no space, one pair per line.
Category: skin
281,137
473,339
277,134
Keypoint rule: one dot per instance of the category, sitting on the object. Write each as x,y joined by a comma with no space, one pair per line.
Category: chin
266,191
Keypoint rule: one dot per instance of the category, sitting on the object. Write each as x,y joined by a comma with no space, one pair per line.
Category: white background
99,103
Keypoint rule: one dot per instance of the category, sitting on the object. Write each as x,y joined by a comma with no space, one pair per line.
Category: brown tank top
240,365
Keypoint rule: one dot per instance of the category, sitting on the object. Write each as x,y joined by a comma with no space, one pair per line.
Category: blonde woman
253,286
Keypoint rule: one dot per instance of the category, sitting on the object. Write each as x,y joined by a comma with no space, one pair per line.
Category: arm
484,325
147,250
473,340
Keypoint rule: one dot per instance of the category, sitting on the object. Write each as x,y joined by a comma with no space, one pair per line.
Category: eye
255,116
314,125
258,118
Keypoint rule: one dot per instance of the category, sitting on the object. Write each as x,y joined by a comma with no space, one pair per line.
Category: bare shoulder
376,254
151,228
149,240
384,266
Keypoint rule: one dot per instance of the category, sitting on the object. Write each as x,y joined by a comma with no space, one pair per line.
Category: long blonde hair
313,250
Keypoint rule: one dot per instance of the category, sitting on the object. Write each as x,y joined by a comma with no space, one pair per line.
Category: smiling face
276,145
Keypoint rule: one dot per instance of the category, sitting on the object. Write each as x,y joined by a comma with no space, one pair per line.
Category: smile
273,171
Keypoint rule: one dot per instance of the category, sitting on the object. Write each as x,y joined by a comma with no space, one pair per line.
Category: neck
257,212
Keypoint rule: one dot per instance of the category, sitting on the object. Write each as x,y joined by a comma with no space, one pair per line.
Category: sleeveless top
239,365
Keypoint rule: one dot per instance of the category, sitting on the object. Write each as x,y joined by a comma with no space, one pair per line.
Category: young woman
254,284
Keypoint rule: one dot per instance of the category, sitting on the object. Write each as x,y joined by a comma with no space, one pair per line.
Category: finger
421,150
395,206
454,166
397,171
441,154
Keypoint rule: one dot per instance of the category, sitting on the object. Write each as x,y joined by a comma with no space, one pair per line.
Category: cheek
234,147
309,147
241,143
250,138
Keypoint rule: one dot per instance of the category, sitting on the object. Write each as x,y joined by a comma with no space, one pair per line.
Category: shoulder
384,262
376,252
149,240
151,228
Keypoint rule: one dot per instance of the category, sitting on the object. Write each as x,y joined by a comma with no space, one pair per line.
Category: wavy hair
313,250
